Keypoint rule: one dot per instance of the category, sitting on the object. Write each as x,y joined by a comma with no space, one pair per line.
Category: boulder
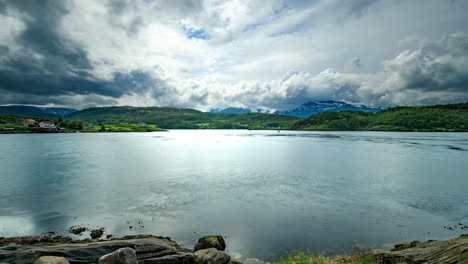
120,256
235,261
254,261
211,256
77,230
210,242
51,260
97,233
27,250
179,258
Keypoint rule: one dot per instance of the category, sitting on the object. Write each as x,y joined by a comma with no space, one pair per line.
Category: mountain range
452,117
312,108
306,109
35,111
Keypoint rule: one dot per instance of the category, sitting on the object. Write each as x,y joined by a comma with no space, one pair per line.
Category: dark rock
89,251
179,258
51,260
210,242
235,261
77,230
404,246
97,233
153,251
443,251
211,256
108,236
120,256
254,261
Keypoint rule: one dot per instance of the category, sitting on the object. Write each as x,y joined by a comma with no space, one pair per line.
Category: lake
266,191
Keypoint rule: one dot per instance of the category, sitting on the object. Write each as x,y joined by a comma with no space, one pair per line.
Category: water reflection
266,191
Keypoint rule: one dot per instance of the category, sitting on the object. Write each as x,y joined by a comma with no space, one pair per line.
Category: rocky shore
148,249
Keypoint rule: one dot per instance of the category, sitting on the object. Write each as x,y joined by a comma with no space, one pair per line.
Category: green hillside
180,118
452,117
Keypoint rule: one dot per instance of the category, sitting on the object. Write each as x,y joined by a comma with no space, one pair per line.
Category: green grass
16,126
122,128
463,257
301,257
181,118
71,126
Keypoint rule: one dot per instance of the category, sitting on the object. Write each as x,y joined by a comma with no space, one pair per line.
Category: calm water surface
267,192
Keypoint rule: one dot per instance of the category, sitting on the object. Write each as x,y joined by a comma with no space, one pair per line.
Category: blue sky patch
192,33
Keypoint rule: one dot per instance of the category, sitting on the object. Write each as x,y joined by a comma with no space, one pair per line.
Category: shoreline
201,129
160,249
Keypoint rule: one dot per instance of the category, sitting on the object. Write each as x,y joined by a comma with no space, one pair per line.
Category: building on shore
47,127
29,122
8,130
47,124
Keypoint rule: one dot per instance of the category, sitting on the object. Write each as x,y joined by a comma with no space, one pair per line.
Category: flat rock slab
434,252
147,247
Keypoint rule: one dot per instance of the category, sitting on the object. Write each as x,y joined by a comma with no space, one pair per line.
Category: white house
47,124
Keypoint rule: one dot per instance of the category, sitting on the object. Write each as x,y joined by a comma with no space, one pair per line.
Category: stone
213,241
77,230
51,260
97,233
254,261
235,261
211,256
86,251
120,256
179,258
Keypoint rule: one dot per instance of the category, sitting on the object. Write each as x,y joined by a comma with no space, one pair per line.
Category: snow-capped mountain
311,108
231,110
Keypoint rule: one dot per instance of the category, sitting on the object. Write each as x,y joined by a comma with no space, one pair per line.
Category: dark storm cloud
76,102
42,33
4,50
48,64
3,7
440,66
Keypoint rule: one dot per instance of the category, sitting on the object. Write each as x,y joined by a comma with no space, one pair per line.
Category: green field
122,128
181,118
73,125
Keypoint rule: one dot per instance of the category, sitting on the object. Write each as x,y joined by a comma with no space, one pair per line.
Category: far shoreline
234,129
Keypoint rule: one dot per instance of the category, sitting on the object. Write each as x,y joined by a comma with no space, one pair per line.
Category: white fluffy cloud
211,54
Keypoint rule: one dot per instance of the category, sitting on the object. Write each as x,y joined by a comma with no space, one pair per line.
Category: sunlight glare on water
266,191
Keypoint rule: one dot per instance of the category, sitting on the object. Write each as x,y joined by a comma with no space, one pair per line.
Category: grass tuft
301,257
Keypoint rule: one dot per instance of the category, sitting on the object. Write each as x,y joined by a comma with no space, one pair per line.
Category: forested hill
453,117
174,118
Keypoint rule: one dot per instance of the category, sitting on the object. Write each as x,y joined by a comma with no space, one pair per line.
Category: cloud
45,63
357,8
272,54
435,72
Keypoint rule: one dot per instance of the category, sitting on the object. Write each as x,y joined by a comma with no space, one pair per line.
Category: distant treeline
453,117
182,118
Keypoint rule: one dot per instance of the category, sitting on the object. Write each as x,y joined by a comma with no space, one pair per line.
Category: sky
266,54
